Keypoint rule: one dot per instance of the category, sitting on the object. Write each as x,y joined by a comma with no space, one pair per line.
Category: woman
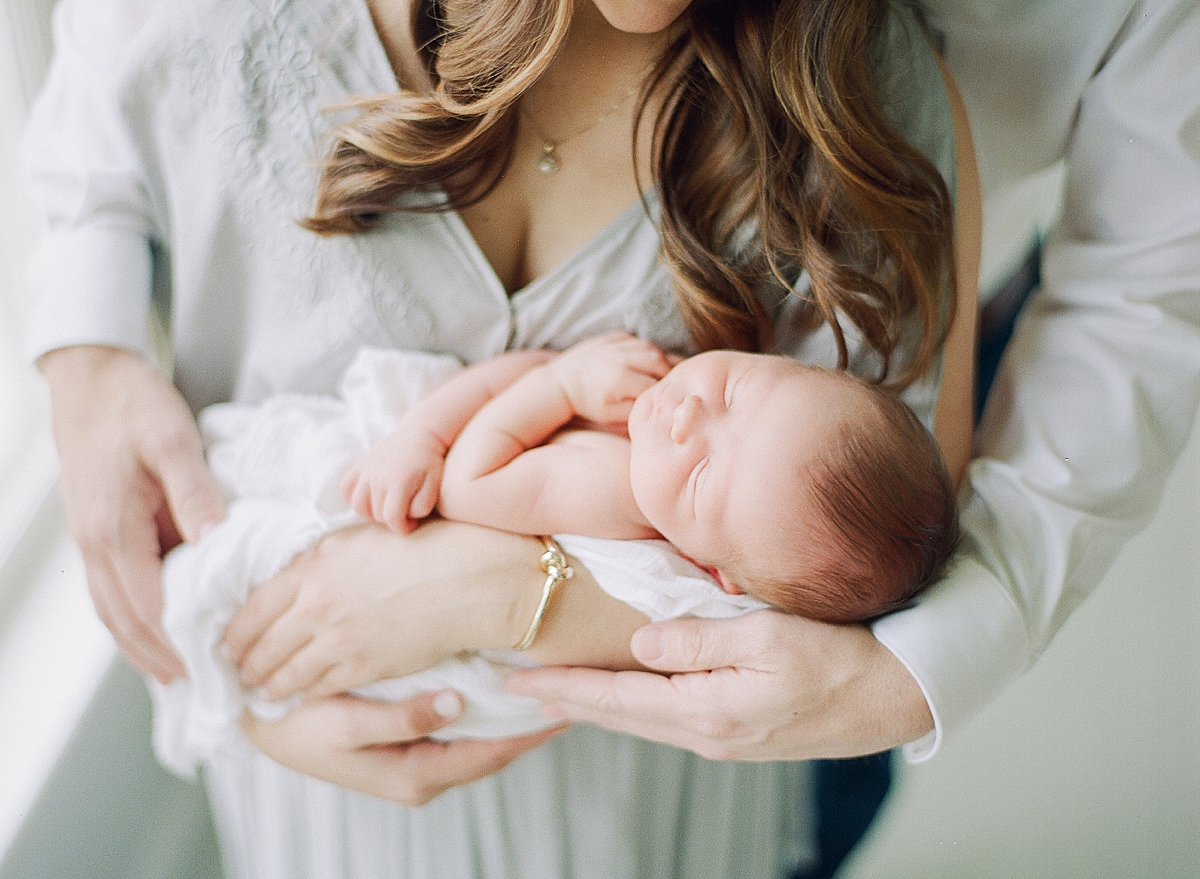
201,128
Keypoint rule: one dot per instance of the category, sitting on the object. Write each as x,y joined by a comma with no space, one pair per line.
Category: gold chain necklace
548,160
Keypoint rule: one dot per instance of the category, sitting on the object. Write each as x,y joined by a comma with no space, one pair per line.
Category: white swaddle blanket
279,464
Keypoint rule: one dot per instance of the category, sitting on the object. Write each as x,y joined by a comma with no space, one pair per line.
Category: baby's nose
684,419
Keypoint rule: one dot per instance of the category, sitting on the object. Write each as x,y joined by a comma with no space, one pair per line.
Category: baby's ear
724,582
727,584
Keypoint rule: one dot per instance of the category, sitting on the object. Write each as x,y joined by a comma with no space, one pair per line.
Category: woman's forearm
368,604
585,626
494,590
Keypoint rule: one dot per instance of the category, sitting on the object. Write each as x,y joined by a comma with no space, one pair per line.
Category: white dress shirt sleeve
1098,391
91,277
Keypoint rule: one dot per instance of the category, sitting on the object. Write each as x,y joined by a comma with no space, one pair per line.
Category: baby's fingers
426,497
639,355
652,362
628,388
358,496
349,483
395,507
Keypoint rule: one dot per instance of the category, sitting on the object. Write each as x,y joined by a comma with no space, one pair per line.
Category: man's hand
765,686
134,482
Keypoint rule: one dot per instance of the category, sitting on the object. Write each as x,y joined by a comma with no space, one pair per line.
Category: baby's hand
397,481
603,376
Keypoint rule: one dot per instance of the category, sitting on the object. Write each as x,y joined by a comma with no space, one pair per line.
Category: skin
765,686
529,224
397,481
712,460
714,449
639,17
115,415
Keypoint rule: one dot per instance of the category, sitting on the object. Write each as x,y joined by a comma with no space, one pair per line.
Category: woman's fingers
697,645
117,531
133,478
263,607
321,678
379,748
371,724
137,592
443,765
317,668
275,650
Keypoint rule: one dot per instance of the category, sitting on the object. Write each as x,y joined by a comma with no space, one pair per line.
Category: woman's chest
541,213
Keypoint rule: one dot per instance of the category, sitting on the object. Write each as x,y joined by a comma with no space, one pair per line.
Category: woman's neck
597,67
394,24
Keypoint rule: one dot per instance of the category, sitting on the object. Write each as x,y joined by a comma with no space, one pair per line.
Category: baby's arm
502,472
396,482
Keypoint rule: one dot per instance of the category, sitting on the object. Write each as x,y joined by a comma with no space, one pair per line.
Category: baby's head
807,488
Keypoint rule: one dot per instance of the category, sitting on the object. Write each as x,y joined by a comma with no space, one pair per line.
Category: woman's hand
765,686
134,481
379,748
367,604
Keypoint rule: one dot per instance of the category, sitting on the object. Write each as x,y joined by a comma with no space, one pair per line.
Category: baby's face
716,454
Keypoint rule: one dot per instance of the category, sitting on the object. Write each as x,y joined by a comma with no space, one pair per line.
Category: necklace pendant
548,163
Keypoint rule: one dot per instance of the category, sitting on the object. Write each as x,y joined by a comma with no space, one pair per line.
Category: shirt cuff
963,643
90,286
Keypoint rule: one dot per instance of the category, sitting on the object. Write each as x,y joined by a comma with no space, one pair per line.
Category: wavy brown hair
770,123
878,521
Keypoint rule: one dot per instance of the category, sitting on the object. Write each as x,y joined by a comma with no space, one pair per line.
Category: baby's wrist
565,381
412,436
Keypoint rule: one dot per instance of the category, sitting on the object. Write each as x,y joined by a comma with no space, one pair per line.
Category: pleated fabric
588,805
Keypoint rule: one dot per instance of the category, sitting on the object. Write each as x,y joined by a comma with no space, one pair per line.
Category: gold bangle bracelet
554,563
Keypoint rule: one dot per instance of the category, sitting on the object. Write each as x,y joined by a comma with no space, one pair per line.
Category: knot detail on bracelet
554,562
554,565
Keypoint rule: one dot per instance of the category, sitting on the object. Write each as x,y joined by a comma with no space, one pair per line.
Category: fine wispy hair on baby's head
883,518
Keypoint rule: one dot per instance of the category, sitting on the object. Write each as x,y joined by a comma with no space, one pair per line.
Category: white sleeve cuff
90,286
963,642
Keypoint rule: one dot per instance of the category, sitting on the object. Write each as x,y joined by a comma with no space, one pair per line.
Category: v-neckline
617,227
462,232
